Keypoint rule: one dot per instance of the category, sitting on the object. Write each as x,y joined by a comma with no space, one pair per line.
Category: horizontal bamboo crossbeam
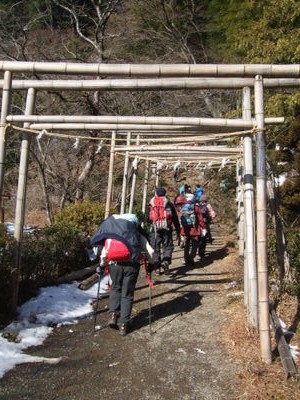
186,159
179,153
174,148
122,127
150,84
111,119
155,70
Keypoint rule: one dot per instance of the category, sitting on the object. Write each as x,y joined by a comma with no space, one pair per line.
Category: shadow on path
182,304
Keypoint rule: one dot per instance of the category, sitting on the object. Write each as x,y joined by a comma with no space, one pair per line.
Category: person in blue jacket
124,228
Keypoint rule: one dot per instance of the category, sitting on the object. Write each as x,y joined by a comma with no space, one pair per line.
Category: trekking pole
98,295
150,283
150,306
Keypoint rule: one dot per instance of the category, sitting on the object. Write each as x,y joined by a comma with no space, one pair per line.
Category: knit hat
160,191
190,198
187,188
129,217
203,197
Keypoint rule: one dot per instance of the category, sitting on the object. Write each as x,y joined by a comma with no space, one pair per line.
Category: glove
100,269
203,232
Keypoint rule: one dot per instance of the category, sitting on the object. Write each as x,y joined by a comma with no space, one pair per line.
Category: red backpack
160,215
116,251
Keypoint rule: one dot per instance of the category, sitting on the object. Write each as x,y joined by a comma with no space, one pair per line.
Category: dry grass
36,219
259,380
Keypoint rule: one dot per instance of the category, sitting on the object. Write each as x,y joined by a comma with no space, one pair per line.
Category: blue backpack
188,217
198,193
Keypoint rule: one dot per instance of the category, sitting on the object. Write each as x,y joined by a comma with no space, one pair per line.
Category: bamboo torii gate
256,72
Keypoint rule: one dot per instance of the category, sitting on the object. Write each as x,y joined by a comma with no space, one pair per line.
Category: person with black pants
124,229
162,216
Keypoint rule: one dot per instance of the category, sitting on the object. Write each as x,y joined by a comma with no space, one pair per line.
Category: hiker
208,214
179,201
187,188
121,243
191,225
176,169
198,192
161,214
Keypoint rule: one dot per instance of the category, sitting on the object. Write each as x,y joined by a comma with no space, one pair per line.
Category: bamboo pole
210,126
162,147
188,158
110,174
182,150
134,176
240,207
198,156
125,175
283,347
261,216
155,70
5,106
21,200
282,254
149,84
250,253
135,127
157,175
145,189
138,120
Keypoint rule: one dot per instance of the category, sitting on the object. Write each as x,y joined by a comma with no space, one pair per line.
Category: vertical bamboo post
125,175
146,177
133,182
240,207
5,106
250,254
20,201
157,175
110,174
261,217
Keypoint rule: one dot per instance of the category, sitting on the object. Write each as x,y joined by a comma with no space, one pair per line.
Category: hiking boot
123,329
189,262
112,322
165,266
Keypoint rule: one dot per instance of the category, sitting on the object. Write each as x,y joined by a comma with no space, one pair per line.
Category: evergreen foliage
85,216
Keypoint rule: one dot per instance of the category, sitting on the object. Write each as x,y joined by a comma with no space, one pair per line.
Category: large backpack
204,211
188,216
160,214
116,251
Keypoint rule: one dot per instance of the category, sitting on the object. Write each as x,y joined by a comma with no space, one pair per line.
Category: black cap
160,191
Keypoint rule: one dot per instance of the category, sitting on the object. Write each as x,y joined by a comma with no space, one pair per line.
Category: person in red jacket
162,216
208,214
191,224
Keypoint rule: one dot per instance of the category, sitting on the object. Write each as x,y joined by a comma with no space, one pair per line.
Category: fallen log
90,281
77,275
283,348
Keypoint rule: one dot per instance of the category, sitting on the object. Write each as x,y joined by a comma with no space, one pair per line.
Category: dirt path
180,357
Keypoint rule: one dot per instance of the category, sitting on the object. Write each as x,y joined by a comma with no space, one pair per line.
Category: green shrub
53,252
7,245
272,256
293,247
84,215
